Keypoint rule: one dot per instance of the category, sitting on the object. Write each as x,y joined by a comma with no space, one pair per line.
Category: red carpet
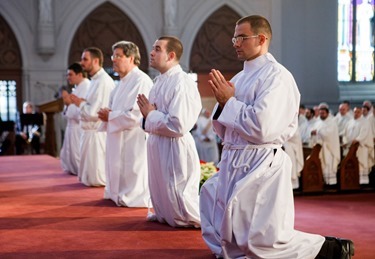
45,213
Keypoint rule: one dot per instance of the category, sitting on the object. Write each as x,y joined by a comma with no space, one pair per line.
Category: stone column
46,29
170,11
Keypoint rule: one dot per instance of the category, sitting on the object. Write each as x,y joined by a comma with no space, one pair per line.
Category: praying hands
221,88
76,100
144,105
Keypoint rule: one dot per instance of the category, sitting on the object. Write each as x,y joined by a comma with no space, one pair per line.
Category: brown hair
259,25
129,49
95,53
77,68
173,45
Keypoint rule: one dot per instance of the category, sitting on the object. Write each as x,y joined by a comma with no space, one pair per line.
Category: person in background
326,134
308,127
342,118
92,143
126,156
247,208
29,129
358,130
294,148
367,109
169,115
70,152
205,139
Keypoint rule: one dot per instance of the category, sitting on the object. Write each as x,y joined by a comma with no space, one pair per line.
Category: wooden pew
349,170
312,174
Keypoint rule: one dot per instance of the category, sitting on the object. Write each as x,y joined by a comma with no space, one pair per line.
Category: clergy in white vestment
302,115
359,131
126,155
205,139
342,118
247,208
92,142
70,153
306,128
367,110
170,113
293,147
326,134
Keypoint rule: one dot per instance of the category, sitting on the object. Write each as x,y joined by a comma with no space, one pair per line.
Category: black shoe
342,248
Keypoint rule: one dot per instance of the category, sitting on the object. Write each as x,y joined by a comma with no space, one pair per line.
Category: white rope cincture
240,163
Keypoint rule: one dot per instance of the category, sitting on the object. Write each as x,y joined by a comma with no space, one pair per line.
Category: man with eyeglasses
92,143
247,209
126,156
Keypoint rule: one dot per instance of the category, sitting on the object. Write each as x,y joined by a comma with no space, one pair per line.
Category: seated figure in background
293,147
29,129
326,134
205,140
342,118
358,130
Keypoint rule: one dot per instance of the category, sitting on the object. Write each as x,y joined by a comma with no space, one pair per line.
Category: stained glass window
8,101
355,40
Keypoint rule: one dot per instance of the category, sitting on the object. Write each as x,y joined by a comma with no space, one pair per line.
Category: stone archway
10,73
103,27
213,48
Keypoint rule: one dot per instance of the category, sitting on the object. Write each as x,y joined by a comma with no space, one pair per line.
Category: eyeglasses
240,39
113,57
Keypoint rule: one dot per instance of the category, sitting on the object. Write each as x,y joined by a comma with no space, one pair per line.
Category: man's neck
169,66
94,71
123,74
80,81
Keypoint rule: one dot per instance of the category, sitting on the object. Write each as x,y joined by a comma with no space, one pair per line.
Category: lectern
50,108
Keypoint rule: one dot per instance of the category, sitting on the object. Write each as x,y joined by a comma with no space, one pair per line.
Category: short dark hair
77,68
173,45
324,108
258,24
129,49
95,53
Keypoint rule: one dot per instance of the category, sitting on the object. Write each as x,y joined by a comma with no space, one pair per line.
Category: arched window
355,41
10,73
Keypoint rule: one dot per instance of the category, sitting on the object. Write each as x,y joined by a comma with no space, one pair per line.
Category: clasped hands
144,105
76,100
221,88
103,114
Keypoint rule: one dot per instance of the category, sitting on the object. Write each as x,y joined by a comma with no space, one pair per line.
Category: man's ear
131,59
171,55
262,39
96,61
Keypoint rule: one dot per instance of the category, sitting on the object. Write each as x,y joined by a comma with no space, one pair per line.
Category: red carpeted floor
45,213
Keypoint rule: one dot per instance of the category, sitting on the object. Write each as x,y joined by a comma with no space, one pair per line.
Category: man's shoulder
105,77
142,76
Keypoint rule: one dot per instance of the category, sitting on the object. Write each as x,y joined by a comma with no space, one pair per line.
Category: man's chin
241,58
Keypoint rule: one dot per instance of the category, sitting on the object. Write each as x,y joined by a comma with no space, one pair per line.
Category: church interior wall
305,37
310,48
